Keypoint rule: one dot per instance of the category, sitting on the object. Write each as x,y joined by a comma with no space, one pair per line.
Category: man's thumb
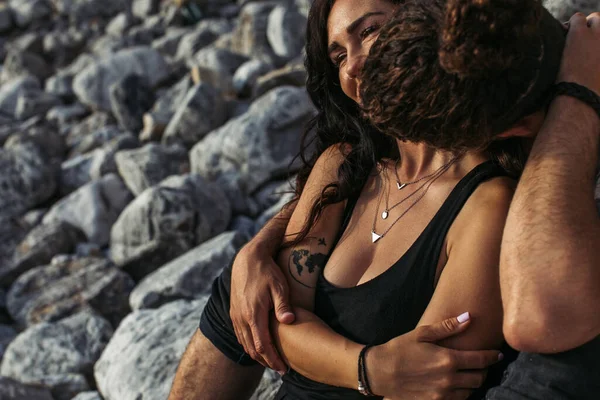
283,311
444,329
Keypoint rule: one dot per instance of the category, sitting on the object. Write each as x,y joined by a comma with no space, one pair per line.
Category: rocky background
142,143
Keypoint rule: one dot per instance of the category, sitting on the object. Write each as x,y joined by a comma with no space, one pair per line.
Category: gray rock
255,147
247,74
93,208
141,359
26,180
6,19
37,134
10,92
88,250
34,217
167,220
268,386
169,43
147,166
144,8
85,168
48,351
88,396
170,101
271,193
130,98
250,37
81,11
31,42
60,85
192,42
292,75
120,24
202,111
53,292
64,47
19,63
221,60
11,234
38,248
270,212
14,390
286,29
106,46
93,83
90,134
189,276
27,11
143,35
30,104
63,115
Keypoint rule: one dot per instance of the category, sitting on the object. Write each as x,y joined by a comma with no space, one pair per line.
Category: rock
189,276
82,11
53,292
34,217
88,250
119,25
167,220
31,42
65,386
107,46
27,11
26,180
147,166
292,75
255,147
19,63
170,101
246,75
153,129
30,104
7,335
63,115
11,234
273,192
93,208
10,92
564,9
221,60
192,42
142,35
38,248
144,8
64,47
169,43
250,36
6,19
270,212
141,359
41,136
244,226
85,168
90,135
88,396
60,85
130,98
202,111
14,390
93,83
286,30
51,351
268,386
217,79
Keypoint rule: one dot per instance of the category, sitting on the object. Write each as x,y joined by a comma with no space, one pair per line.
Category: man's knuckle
448,325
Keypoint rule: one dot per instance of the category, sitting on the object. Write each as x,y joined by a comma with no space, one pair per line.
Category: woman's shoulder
330,159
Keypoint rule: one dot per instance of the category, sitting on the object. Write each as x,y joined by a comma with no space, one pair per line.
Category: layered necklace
420,192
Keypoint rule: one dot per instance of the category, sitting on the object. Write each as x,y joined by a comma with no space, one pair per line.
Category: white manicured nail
464,317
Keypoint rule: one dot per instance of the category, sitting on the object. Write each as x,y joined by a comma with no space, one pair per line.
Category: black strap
579,92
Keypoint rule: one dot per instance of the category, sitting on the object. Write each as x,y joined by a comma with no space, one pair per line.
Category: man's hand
581,56
412,366
257,287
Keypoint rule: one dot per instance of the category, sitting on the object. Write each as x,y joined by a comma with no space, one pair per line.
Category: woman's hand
412,366
257,287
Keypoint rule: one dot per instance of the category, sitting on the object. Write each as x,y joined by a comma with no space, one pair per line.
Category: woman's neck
419,159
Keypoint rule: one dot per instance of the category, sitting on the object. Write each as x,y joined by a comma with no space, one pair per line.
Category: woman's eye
367,31
337,60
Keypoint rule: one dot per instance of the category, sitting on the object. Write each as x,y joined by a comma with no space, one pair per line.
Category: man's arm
550,259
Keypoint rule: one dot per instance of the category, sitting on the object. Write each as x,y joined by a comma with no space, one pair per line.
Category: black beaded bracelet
363,382
579,92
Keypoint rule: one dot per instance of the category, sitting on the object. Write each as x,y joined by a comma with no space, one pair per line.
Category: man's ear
526,127
519,130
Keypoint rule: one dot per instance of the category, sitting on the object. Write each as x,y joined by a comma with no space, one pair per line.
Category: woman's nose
355,66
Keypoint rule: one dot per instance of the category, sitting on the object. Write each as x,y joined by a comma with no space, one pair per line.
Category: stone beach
142,144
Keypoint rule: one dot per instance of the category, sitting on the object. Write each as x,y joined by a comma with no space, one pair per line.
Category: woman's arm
469,280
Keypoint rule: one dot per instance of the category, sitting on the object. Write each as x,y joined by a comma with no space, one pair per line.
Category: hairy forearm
314,350
550,274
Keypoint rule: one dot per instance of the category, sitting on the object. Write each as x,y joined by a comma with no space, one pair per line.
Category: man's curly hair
442,72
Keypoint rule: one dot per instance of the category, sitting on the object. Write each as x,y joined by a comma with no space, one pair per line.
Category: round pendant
384,214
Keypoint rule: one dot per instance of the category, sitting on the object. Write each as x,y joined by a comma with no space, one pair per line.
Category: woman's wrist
375,362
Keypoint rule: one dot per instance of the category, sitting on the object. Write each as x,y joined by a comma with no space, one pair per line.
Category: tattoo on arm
305,262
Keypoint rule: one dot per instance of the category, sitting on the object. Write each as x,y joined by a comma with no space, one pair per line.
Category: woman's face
352,28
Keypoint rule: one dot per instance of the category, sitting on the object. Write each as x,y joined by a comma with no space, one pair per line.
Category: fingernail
282,373
500,357
464,317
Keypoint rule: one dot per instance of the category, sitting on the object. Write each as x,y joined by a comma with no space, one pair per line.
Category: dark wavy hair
338,120
444,72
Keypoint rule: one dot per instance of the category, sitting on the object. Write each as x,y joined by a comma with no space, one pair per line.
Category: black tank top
392,303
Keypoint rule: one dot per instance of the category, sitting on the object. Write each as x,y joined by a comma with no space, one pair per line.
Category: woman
355,168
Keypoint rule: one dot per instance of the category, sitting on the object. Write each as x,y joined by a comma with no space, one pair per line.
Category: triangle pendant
375,237
400,185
